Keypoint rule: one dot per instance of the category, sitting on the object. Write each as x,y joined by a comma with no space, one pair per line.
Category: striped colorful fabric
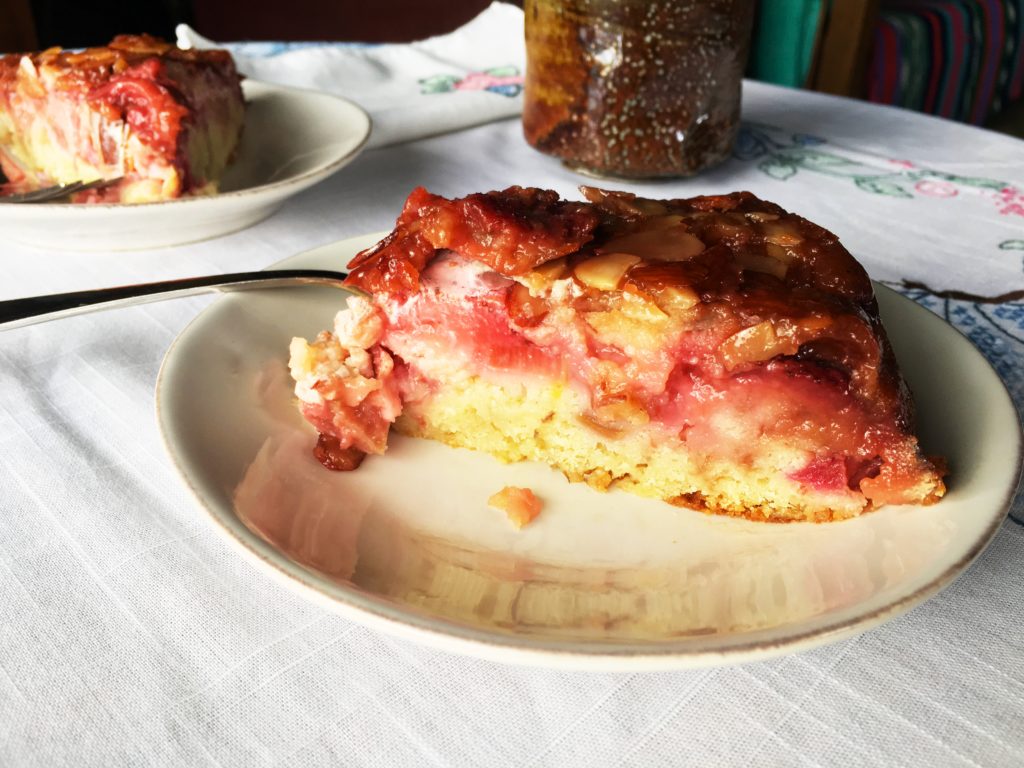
782,49
961,59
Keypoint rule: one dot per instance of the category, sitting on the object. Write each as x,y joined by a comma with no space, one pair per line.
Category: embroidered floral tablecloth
131,634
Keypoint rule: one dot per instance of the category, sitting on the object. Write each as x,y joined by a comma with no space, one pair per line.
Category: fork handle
16,313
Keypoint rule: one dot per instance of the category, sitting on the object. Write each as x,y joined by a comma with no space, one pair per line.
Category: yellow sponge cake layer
544,423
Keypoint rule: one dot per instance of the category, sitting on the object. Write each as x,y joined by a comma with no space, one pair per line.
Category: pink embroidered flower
481,81
936,188
1010,201
901,163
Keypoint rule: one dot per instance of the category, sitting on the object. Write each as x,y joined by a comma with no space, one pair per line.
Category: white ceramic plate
292,139
600,581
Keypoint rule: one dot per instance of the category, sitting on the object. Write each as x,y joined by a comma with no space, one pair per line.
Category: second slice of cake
165,120
716,352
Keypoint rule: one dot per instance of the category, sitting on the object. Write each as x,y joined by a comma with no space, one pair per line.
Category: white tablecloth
131,634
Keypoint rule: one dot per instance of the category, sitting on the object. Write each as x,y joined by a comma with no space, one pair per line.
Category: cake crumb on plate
520,504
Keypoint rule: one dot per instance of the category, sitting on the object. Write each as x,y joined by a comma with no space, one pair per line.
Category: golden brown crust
94,66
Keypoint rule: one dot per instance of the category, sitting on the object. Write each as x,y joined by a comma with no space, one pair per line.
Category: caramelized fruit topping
770,284
512,231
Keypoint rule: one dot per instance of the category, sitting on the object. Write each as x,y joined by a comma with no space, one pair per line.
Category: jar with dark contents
635,88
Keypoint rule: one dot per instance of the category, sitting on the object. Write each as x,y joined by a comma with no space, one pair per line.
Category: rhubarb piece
165,120
716,352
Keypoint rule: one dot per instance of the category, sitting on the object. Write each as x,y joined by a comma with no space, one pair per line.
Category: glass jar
635,88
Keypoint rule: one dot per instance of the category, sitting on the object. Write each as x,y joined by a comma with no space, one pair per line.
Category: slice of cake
715,352
165,120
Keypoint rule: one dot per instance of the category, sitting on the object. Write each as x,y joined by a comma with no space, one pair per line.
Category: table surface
132,634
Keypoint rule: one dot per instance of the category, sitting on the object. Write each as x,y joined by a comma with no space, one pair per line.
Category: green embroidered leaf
812,158
967,181
824,162
777,169
880,186
438,84
506,71
972,181
1012,245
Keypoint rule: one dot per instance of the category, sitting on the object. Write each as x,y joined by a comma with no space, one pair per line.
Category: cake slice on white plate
167,121
715,352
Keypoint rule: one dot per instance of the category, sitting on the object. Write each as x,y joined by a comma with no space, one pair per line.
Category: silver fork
57,191
16,313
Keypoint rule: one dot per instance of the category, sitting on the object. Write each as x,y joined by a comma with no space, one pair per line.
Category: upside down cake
716,352
165,120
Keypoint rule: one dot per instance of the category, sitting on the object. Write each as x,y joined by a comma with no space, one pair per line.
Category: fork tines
57,191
